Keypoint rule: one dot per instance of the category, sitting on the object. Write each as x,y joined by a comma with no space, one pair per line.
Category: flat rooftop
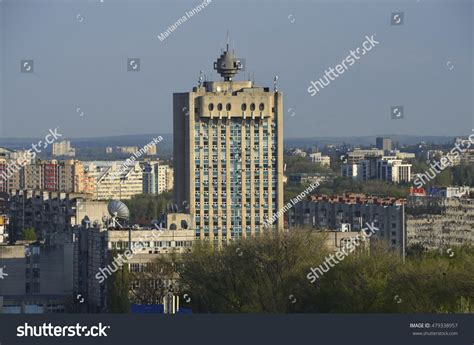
353,198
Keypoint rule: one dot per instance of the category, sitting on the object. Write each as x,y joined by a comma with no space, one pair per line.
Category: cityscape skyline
301,177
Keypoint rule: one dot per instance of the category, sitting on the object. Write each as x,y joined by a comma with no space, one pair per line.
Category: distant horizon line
288,138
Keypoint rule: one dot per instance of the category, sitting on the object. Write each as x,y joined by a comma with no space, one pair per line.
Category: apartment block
352,212
40,278
63,148
52,213
440,222
114,180
157,178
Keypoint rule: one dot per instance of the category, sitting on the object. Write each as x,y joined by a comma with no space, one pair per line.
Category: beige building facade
228,154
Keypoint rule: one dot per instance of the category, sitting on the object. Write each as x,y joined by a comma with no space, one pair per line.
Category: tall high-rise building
63,148
383,144
228,154
157,178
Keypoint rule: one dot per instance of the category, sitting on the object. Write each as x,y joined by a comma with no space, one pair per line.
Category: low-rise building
39,278
318,158
97,247
127,149
308,178
404,155
386,168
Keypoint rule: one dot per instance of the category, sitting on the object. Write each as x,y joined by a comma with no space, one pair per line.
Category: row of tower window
228,106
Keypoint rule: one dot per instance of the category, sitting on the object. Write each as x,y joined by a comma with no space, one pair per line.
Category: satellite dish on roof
117,210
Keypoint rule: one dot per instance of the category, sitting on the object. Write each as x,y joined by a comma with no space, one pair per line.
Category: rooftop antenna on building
200,78
275,87
227,40
227,65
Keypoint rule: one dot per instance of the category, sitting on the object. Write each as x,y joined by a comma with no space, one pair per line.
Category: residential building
114,180
51,213
456,192
357,155
318,158
439,222
5,153
384,144
169,179
338,240
228,154
308,178
393,170
4,202
63,148
95,247
297,152
352,212
127,149
157,178
350,170
3,228
404,155
40,278
52,175
152,150
3,175
387,168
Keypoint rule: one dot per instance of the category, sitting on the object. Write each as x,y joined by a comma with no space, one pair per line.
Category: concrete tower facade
228,154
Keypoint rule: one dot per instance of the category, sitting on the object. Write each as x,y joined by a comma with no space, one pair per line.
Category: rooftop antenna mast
200,78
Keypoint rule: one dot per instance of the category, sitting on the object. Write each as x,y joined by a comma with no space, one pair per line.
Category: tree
250,275
155,280
146,207
268,274
29,234
118,287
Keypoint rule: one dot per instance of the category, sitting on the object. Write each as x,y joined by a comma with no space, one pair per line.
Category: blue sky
80,51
